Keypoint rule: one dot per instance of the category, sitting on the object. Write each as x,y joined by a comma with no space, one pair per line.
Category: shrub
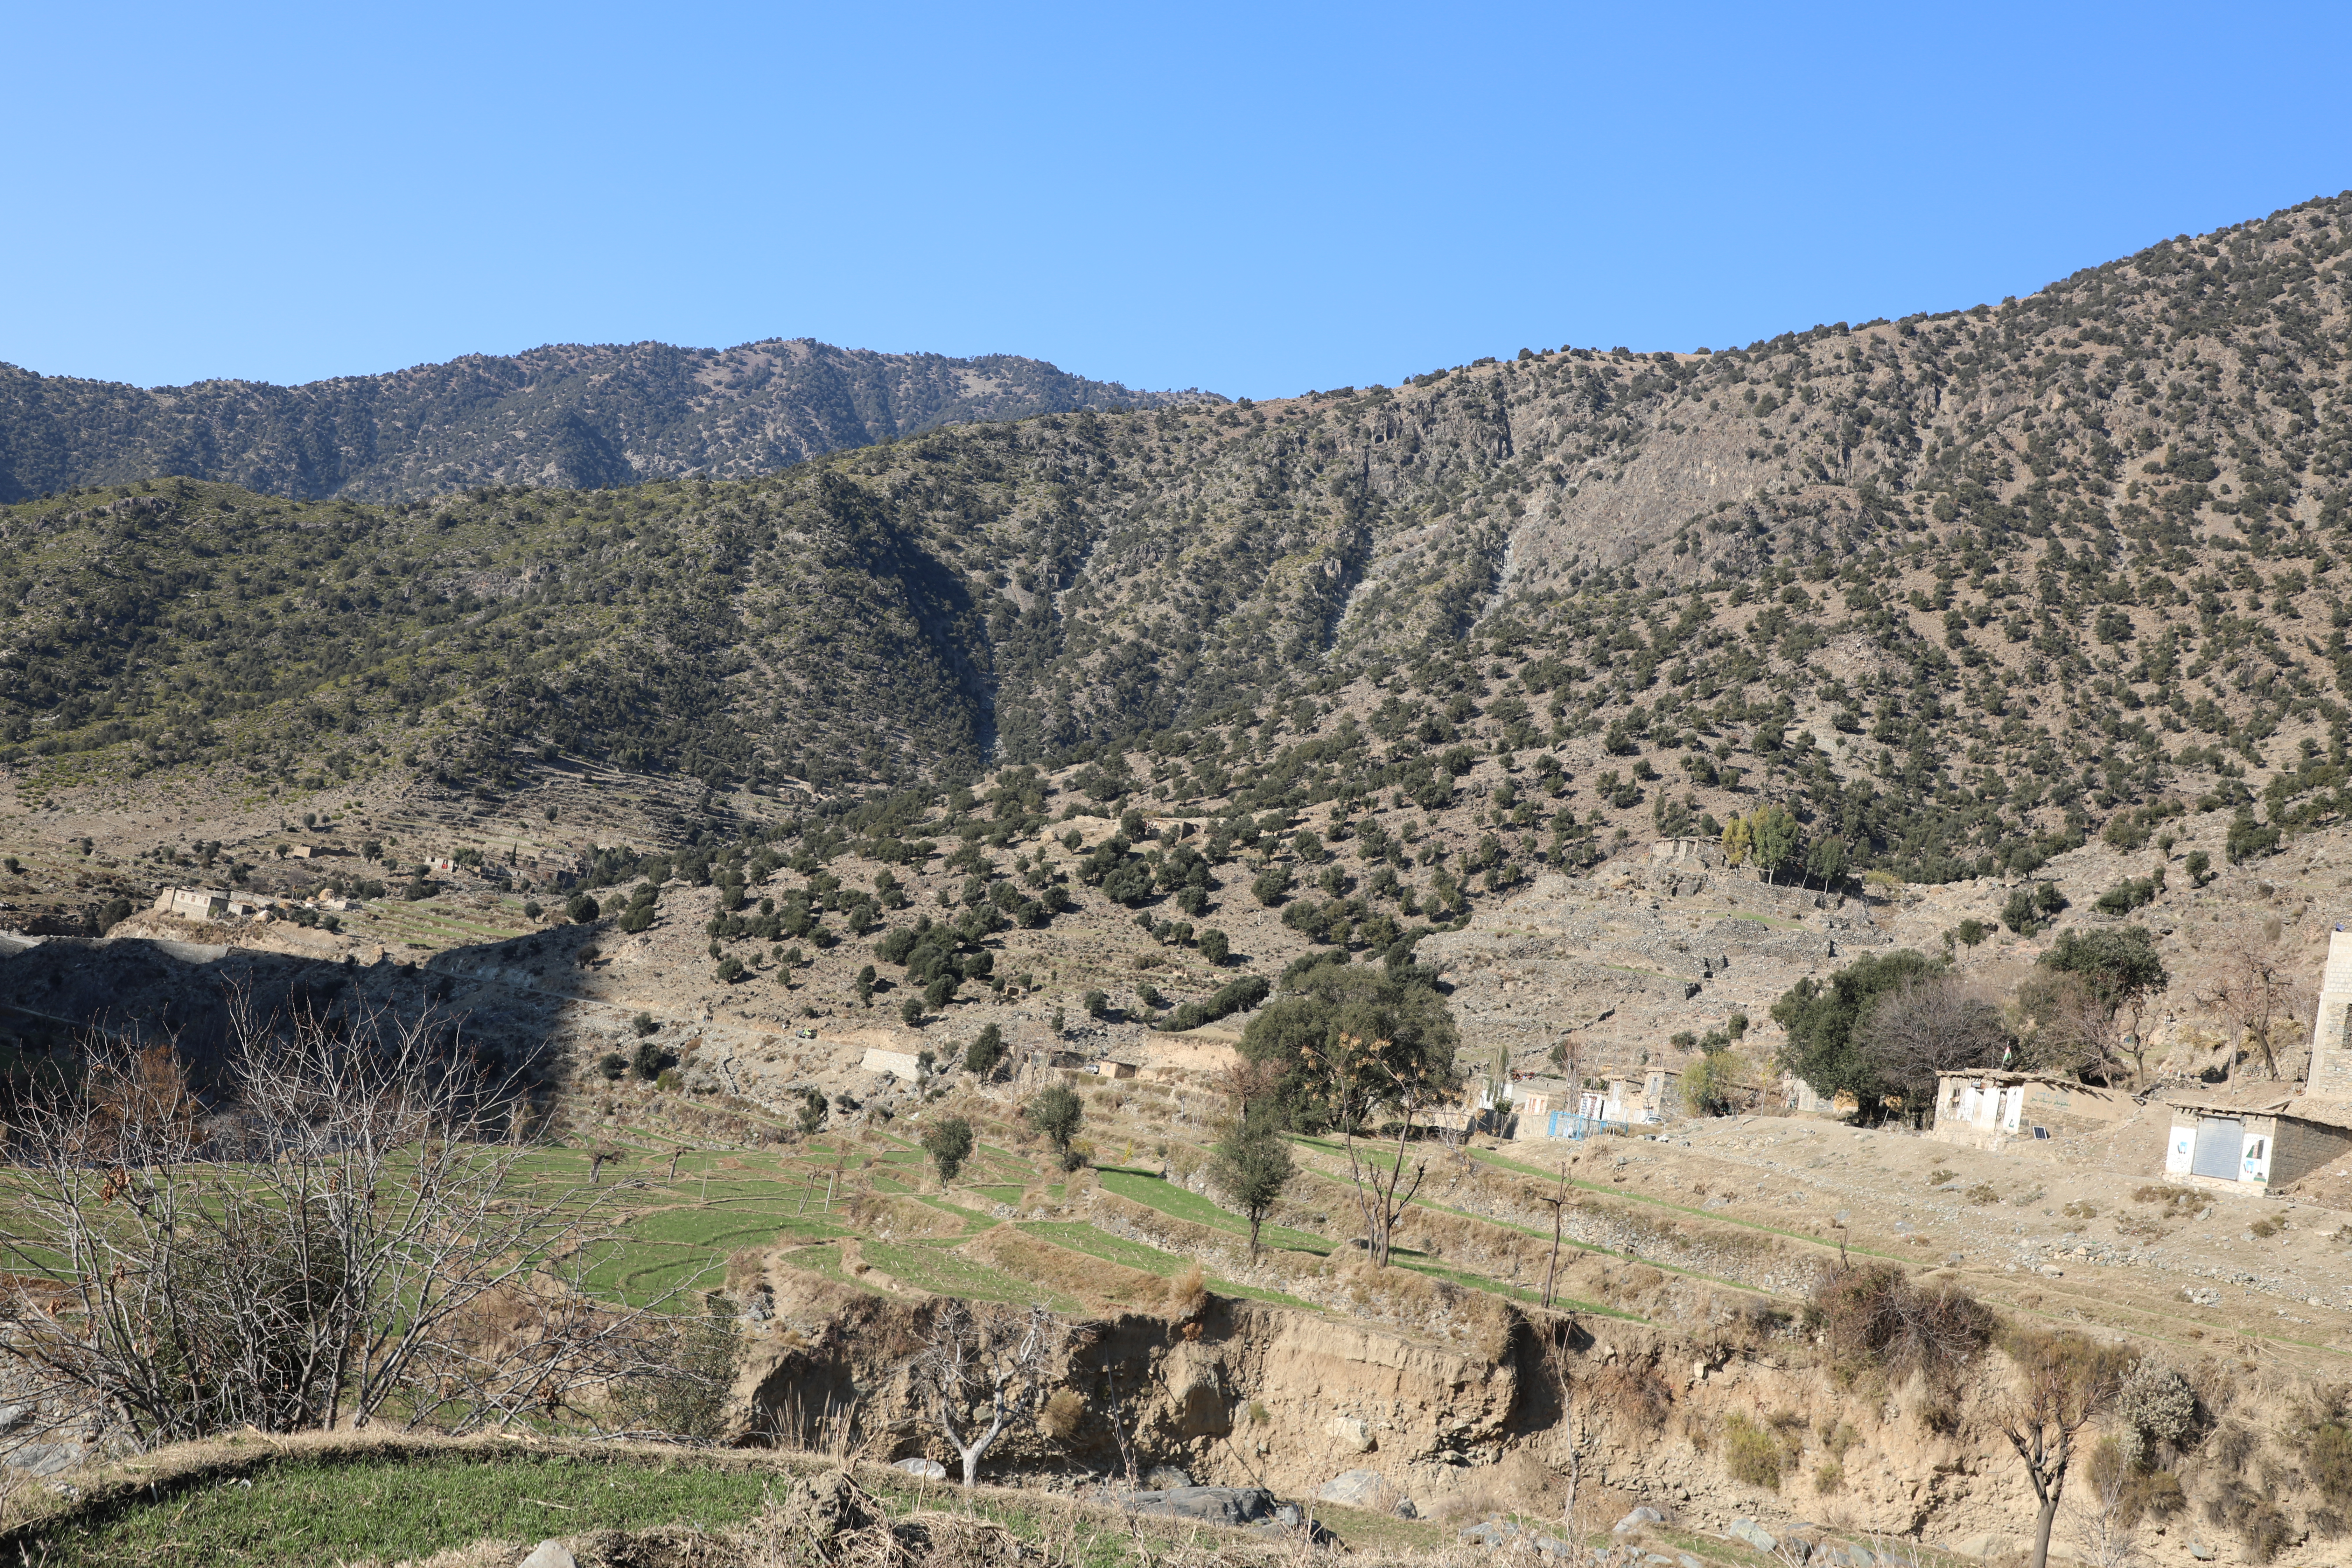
2329,1460
1750,1454
581,908
1241,994
1875,1316
2247,839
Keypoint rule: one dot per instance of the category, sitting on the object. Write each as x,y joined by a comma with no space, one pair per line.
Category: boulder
1166,1479
1492,1533
928,1469
1352,1434
1355,1489
1981,1546
549,1555
45,1458
1747,1533
1207,1505
1635,1519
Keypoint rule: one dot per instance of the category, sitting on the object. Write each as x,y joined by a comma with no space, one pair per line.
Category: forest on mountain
567,415
1952,593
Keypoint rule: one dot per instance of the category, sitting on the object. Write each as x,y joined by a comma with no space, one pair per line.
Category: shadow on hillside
55,990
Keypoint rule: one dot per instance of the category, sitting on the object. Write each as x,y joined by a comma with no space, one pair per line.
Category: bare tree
1930,1024
352,1240
1558,1202
2064,1027
2065,1381
2256,988
1361,1079
985,1369
2104,1524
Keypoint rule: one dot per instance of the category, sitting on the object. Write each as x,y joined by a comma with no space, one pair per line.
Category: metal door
2218,1139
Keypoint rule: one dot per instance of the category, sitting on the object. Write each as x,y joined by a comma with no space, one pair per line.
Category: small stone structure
1984,1109
194,903
2250,1144
2331,1050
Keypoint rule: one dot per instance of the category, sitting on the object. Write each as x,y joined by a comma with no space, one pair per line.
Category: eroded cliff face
1741,1413
1236,1390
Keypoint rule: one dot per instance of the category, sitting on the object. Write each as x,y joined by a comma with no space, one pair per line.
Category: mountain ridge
1955,590
568,414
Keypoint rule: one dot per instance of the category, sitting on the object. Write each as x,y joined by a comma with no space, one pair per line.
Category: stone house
194,903
2256,1141
2253,1144
1555,1108
1985,1108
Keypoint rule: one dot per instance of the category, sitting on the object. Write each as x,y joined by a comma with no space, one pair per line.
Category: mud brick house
1986,1109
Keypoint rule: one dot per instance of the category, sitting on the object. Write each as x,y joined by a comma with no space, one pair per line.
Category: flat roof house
1985,1108
2253,1144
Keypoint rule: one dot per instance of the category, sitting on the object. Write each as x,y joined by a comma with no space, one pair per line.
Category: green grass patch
1172,1199
1076,1236
301,1511
943,1272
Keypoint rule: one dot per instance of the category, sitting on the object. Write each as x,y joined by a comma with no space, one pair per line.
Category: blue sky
1254,199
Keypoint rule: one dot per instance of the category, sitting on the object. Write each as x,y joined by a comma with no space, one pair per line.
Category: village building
1556,1108
2253,1144
2258,1139
1986,1108
193,904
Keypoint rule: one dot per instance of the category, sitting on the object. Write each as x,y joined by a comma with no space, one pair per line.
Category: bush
611,1064
2247,839
581,908
1875,1316
2329,1461
1243,994
1750,1454
1271,886
2157,1402
1215,946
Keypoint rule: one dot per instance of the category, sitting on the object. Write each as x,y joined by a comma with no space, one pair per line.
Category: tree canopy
1821,1015
1400,1006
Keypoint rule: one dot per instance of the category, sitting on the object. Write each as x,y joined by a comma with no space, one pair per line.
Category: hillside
570,414
1958,591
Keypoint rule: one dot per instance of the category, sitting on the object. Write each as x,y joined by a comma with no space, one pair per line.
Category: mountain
567,416
1955,591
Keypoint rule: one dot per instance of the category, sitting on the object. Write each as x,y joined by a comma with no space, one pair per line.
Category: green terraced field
943,1271
1172,1199
1076,1236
